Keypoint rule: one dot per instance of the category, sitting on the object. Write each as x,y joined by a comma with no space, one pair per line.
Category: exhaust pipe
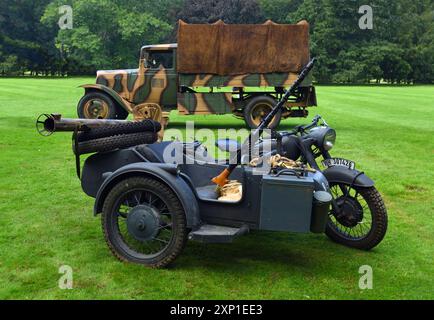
47,124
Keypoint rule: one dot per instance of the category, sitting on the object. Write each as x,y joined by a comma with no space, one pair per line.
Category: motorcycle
358,216
154,197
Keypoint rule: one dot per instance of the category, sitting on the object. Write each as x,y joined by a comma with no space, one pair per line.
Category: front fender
347,176
166,173
109,91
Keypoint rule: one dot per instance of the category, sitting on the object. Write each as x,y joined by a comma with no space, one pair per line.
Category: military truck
213,69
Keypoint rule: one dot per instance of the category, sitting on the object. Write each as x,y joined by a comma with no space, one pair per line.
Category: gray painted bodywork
269,202
343,175
164,172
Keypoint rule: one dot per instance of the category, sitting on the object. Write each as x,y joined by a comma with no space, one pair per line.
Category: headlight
329,139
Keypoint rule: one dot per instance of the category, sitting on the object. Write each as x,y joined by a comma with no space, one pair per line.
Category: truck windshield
158,59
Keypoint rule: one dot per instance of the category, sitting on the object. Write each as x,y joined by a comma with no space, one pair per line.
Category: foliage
229,11
395,50
107,39
109,34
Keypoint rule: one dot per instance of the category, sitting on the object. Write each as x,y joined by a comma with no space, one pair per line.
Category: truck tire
121,113
256,110
98,105
123,128
115,142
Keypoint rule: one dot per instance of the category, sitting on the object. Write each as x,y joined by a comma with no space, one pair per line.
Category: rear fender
347,176
166,173
121,102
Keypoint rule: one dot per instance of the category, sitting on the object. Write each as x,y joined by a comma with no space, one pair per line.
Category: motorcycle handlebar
304,128
314,123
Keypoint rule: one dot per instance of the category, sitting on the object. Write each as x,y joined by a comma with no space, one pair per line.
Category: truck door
162,66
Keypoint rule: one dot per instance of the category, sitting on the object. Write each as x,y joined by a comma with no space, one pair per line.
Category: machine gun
47,124
99,135
222,178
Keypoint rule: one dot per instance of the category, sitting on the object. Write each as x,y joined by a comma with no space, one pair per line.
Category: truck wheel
362,222
97,105
256,110
120,141
143,222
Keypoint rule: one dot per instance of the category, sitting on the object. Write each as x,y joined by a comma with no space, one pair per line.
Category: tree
109,34
105,34
230,11
278,10
22,38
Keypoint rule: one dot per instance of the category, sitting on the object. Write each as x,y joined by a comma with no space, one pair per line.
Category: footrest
208,233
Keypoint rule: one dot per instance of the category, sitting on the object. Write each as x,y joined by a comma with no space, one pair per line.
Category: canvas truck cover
234,49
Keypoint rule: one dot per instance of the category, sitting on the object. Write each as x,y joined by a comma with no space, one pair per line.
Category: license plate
339,162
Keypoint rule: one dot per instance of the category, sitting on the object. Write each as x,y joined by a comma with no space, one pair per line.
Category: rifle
222,178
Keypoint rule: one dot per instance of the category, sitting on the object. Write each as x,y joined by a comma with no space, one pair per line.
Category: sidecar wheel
364,222
143,222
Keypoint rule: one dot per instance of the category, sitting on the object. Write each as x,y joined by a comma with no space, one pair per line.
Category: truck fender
348,176
166,173
109,91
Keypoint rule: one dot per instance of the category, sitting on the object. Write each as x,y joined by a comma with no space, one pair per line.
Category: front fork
336,209
310,159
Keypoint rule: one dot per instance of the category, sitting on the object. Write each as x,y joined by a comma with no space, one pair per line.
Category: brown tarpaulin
231,49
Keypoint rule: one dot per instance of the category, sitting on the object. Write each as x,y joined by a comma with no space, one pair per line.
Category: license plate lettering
339,162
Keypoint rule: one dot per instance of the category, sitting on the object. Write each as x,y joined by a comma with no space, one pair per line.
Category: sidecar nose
320,182
320,209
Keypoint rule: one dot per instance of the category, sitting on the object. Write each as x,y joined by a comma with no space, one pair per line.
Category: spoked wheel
143,222
361,219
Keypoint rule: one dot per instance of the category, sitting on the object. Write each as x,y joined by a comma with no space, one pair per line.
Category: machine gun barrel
222,178
47,124
267,120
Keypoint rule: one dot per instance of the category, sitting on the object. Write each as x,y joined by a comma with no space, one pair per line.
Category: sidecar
153,197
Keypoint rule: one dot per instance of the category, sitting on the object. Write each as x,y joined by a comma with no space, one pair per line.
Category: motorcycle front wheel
361,219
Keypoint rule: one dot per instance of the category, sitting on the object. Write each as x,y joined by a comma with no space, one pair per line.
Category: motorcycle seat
228,145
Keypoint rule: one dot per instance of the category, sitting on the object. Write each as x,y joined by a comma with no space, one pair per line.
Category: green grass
46,220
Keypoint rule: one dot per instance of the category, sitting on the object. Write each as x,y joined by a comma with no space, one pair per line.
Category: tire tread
379,227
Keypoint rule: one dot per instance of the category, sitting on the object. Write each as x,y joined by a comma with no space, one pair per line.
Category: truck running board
208,233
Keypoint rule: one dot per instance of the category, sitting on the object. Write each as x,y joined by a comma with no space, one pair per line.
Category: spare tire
115,142
117,129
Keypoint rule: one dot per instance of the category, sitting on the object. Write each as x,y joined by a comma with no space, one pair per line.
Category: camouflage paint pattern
137,87
245,80
143,85
205,103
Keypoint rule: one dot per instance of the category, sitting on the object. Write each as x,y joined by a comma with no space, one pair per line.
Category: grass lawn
46,220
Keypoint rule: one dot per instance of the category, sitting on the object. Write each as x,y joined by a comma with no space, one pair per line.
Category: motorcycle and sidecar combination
153,197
